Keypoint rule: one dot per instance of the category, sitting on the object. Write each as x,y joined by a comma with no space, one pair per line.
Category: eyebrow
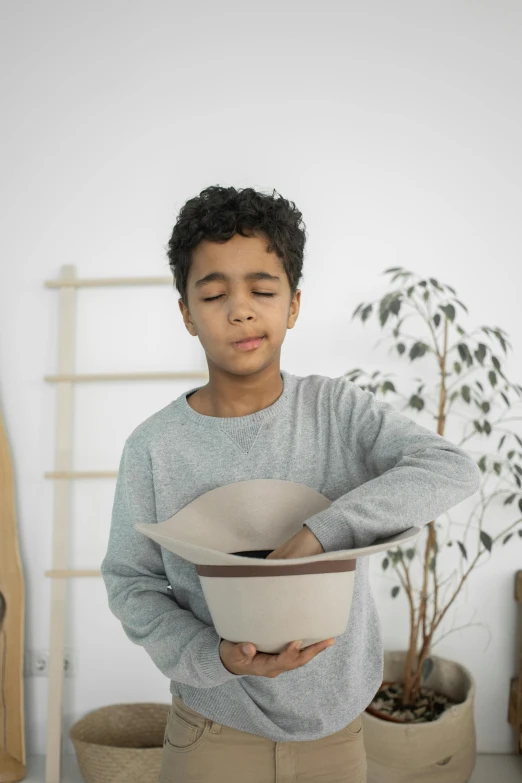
222,276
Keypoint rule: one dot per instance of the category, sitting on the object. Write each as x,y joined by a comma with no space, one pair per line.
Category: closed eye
259,293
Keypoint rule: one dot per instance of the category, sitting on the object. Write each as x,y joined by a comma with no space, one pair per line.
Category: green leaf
509,535
410,554
486,540
463,549
391,303
395,591
418,349
460,303
510,499
480,353
464,352
465,391
385,563
498,334
365,314
449,311
395,305
416,402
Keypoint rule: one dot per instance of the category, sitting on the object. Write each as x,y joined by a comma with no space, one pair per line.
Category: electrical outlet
36,663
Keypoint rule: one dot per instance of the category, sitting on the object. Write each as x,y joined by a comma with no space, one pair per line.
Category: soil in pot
387,704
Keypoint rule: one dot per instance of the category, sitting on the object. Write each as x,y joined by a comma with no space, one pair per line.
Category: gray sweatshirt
383,473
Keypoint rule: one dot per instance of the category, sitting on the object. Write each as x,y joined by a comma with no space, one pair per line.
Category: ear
294,309
191,328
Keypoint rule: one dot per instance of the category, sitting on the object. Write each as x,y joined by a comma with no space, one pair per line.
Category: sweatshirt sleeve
416,474
182,647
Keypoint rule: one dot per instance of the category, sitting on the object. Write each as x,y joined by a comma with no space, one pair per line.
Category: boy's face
242,307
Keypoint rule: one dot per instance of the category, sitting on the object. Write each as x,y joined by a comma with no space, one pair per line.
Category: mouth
249,344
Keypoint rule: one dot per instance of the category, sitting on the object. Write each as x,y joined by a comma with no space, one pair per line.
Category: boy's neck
223,398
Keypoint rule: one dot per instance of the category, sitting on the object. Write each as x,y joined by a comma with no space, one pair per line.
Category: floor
506,769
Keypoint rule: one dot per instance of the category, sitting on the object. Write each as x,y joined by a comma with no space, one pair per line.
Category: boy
237,257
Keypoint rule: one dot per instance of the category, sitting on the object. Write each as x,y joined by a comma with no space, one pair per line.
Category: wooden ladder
67,285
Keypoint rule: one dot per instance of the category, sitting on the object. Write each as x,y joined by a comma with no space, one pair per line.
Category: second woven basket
121,743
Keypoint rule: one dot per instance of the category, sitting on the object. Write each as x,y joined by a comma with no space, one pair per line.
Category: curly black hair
218,213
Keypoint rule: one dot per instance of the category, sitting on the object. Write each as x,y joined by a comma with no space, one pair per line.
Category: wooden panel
518,587
515,711
12,731
515,692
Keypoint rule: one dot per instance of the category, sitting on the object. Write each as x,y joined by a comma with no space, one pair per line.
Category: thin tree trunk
414,661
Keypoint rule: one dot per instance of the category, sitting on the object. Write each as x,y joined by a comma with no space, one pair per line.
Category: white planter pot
442,751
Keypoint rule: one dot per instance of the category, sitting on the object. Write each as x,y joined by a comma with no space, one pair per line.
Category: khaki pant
199,750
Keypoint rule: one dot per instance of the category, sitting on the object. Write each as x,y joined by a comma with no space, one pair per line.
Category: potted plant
420,725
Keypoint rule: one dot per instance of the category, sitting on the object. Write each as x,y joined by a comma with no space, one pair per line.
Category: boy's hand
303,544
267,664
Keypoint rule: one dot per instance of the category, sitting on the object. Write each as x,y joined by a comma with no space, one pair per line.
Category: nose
240,308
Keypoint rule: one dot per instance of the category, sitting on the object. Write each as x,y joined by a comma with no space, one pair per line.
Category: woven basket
121,743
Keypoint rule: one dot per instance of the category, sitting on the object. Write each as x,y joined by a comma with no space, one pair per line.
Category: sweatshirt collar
248,421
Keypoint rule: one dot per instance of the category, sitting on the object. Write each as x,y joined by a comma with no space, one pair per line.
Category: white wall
395,127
